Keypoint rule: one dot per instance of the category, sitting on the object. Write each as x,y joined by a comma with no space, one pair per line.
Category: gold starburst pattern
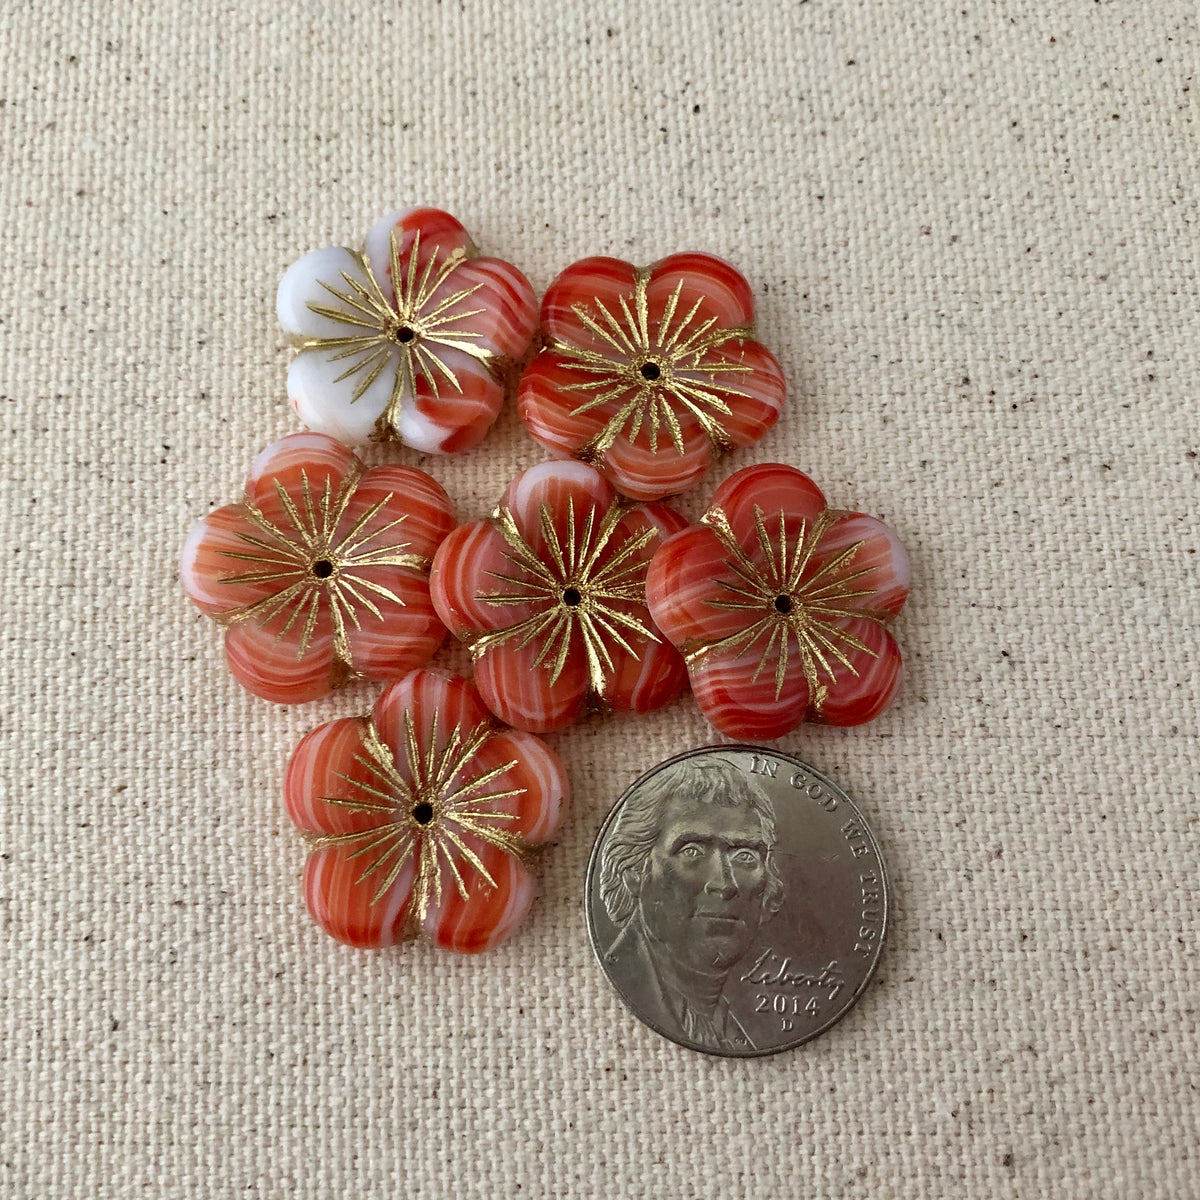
575,590
407,333
655,369
426,812
315,566
795,605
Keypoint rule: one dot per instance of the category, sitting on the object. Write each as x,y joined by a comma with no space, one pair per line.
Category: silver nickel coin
737,900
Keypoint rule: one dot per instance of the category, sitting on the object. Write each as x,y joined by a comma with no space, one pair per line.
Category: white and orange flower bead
409,339
321,573
423,818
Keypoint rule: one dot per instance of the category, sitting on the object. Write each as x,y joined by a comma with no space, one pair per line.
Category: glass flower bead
549,594
651,373
781,606
410,339
320,574
423,818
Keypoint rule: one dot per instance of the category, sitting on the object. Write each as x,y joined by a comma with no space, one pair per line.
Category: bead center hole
783,604
422,813
322,568
572,597
405,334
651,371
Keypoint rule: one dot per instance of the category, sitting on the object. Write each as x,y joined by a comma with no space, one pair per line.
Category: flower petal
520,692
741,706
455,404
651,673
407,633
771,487
645,680
435,702
291,461
407,494
720,289
326,764
263,659
854,700
539,775
307,283
646,473
325,396
561,487
506,325
788,504
688,586
343,904
548,400
880,553
489,914
582,288
754,396
440,235
467,566
216,552
664,518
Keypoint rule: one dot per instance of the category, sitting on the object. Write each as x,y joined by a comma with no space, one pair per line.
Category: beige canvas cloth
972,229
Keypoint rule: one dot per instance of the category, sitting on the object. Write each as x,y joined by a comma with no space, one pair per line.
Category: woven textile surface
972,229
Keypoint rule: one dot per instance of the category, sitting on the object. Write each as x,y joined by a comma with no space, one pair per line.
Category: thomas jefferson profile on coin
688,876
690,905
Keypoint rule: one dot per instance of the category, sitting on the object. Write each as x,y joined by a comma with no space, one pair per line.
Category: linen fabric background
972,229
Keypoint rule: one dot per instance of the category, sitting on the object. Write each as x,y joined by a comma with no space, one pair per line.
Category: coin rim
843,797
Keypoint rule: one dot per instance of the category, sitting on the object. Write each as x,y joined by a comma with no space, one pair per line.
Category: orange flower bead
321,573
781,606
549,593
423,817
650,373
